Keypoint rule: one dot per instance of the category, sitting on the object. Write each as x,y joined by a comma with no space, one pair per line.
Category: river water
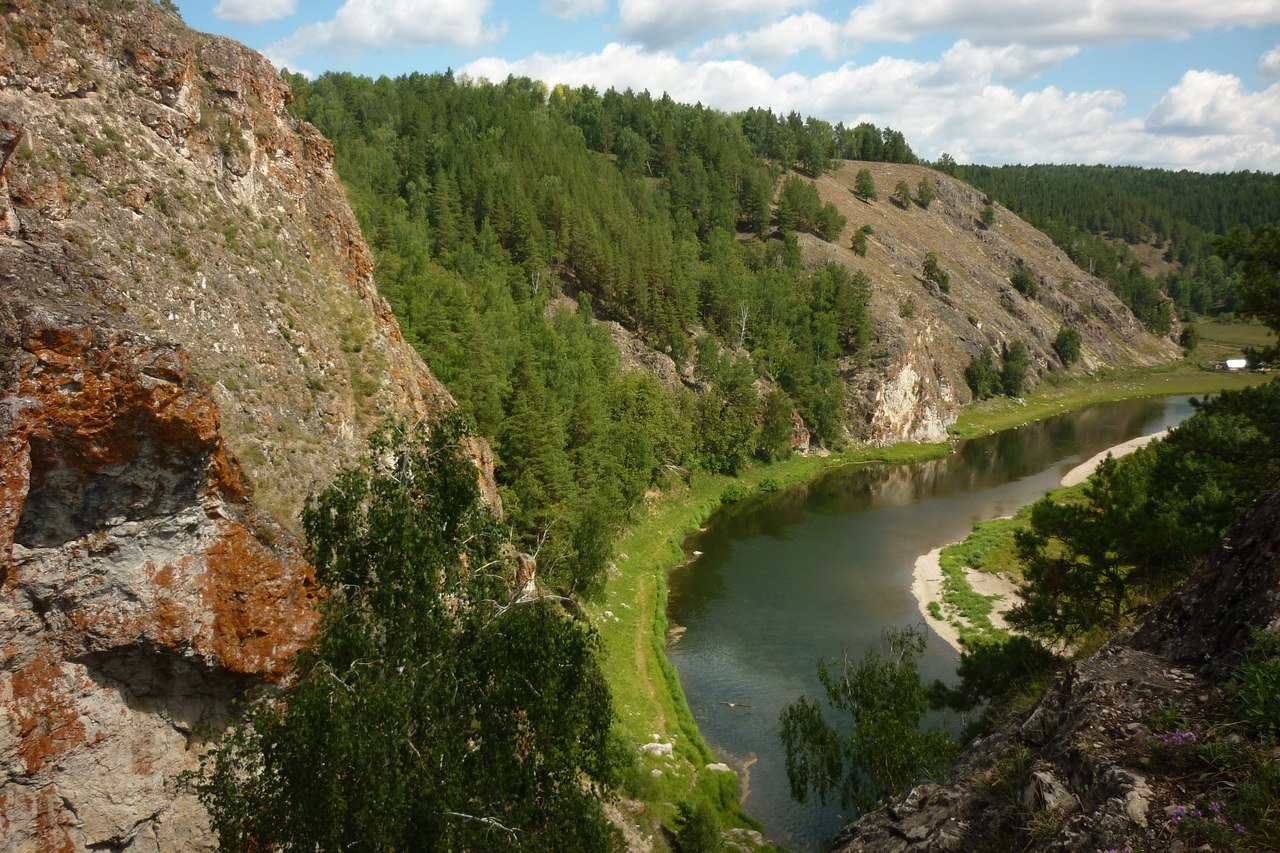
785,579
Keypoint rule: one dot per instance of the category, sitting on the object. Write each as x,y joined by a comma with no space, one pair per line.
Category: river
781,580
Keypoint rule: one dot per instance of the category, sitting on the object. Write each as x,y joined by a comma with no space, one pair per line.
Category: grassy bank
631,618
1056,395
631,615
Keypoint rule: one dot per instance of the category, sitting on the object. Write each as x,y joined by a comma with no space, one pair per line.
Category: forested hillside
1098,214
509,223
485,203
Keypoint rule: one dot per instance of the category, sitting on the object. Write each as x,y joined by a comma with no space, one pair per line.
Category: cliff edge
1108,758
190,342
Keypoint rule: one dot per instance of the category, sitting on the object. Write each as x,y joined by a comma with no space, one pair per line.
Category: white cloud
661,23
1205,103
779,40
571,10
1269,65
956,104
254,11
1062,22
1011,63
368,24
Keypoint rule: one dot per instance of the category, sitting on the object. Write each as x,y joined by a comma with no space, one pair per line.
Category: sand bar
926,580
1081,472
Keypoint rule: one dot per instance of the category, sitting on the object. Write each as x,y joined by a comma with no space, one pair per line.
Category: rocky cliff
188,320
140,589
913,386
163,163
1088,768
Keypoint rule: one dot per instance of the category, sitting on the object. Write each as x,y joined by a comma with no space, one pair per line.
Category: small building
1235,364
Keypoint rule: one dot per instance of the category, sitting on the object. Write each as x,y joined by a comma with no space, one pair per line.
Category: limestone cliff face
165,160
912,387
184,290
1079,763
140,589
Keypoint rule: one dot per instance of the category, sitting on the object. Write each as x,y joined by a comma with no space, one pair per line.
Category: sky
1179,84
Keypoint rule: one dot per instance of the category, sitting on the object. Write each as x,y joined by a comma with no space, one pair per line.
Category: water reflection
788,578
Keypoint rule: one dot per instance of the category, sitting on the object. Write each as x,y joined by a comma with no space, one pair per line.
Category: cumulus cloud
1063,22
254,11
1205,103
1269,65
662,23
1010,63
956,104
367,24
779,40
571,10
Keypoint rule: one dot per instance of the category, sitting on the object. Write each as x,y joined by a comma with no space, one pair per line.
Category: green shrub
1067,345
1255,686
1024,282
698,831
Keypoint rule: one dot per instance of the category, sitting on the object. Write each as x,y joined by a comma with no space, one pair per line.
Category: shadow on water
788,578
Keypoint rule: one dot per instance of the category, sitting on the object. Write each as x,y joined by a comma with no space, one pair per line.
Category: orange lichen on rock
263,615
140,589
44,717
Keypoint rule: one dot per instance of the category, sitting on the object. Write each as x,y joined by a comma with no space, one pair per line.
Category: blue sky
1174,83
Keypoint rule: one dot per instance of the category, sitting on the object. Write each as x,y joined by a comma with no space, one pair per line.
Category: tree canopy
442,706
876,749
489,205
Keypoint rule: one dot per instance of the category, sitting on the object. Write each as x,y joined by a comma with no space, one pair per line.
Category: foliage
733,493
1067,345
981,375
1255,685
1188,339
864,185
1257,257
485,203
925,193
984,380
988,216
439,707
698,830
1147,518
879,749
859,243
800,209
1077,556
1024,282
993,670
1013,376
775,427
1096,213
901,195
936,274
810,144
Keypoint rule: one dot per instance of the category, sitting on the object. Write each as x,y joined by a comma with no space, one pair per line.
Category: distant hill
914,383
1110,217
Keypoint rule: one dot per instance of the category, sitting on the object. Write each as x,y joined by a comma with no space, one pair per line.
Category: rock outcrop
140,589
185,292
1077,771
165,164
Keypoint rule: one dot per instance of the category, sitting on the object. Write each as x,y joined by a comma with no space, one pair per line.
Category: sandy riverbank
926,586
1081,472
927,580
